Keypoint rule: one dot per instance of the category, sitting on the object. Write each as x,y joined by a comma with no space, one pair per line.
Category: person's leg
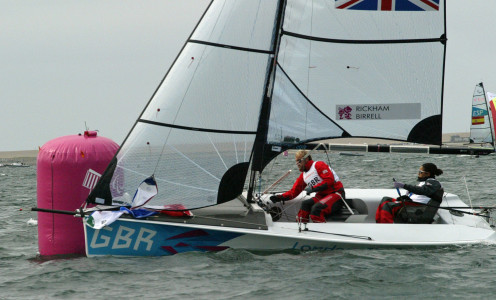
378,213
304,211
325,206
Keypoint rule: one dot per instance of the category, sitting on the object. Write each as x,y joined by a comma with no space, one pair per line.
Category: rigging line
468,194
190,160
309,70
454,210
188,186
363,237
216,150
179,108
277,182
229,220
328,160
308,99
290,205
272,166
235,149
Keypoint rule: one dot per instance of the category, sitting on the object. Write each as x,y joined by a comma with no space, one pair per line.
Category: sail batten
196,128
441,39
231,47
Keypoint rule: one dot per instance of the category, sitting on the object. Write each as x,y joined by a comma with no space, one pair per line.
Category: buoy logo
91,179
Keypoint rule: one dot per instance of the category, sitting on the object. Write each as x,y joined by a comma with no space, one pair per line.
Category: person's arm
429,188
298,186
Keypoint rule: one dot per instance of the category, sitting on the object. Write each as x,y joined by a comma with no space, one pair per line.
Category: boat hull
129,237
219,228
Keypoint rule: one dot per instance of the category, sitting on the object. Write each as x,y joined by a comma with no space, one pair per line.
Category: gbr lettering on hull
124,238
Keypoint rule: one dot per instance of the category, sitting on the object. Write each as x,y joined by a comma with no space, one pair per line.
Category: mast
263,122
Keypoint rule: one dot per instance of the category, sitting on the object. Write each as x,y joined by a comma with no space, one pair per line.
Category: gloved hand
404,198
398,184
309,190
276,198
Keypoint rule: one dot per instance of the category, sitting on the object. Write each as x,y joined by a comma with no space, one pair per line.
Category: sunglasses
298,161
421,172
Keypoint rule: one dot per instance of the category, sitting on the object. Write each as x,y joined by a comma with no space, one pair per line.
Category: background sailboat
483,117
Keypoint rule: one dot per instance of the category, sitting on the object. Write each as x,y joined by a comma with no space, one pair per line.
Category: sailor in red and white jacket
316,176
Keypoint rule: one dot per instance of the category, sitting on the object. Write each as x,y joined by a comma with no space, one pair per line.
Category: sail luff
263,123
445,43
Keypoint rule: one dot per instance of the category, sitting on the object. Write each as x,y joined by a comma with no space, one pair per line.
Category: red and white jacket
315,175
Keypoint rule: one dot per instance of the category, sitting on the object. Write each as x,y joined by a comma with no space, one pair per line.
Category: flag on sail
389,5
100,219
145,192
478,115
477,120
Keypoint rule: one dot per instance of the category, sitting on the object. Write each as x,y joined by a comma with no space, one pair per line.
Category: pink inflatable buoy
68,168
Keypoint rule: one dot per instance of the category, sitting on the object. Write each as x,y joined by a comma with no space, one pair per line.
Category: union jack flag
397,5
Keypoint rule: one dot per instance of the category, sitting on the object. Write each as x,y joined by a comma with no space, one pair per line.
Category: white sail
384,68
202,120
481,130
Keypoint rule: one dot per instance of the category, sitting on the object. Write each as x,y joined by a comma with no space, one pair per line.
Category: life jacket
312,178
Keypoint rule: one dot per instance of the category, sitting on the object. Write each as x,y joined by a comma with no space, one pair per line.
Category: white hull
155,236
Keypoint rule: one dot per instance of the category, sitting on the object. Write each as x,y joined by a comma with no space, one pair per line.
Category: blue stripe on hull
149,239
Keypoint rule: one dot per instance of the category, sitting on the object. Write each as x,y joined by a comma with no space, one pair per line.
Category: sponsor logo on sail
478,112
378,111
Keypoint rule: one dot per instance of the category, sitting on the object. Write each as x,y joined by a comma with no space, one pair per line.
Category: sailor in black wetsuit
428,188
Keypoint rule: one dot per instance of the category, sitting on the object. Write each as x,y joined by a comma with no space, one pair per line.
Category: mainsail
259,76
481,128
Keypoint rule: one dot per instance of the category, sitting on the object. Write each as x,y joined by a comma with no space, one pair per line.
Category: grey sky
67,62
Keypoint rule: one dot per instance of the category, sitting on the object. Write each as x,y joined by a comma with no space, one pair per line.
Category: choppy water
446,273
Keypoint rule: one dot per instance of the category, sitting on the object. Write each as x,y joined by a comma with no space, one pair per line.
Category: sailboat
257,78
483,118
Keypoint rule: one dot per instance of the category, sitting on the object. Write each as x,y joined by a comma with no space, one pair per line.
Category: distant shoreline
31,155
26,156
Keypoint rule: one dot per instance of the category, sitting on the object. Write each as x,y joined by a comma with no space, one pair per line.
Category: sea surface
467,272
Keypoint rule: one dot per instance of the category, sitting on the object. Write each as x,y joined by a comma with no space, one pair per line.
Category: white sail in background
481,130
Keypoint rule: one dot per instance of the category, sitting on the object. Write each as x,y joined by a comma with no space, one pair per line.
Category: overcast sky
70,62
